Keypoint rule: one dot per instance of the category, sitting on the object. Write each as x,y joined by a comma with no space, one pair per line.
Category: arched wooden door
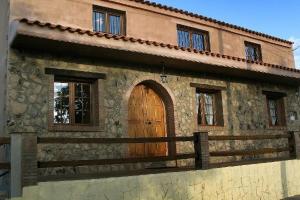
146,118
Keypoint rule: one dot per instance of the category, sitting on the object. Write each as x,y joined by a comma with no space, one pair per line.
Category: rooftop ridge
148,42
170,8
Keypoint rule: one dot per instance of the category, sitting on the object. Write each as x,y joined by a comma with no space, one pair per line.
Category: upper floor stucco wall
152,23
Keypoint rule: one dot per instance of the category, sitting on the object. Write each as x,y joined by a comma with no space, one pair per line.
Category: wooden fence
290,148
201,154
73,163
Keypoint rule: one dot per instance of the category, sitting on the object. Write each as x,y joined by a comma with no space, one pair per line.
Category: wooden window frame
97,101
111,12
217,108
192,31
255,46
280,108
71,82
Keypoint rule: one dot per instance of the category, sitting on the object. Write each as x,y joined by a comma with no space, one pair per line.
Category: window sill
60,128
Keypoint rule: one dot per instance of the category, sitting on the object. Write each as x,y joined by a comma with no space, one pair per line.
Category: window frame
218,120
280,108
71,82
97,102
107,13
192,31
256,47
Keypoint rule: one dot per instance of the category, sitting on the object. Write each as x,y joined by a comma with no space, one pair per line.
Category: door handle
149,123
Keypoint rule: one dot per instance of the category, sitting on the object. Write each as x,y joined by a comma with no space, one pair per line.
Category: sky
280,18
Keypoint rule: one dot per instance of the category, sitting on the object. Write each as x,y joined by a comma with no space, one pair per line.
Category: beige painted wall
151,23
269,181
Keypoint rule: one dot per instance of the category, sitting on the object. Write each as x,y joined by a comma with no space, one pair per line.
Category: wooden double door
146,118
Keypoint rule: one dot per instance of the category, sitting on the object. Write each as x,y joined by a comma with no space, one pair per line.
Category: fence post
23,162
294,144
29,159
201,150
16,165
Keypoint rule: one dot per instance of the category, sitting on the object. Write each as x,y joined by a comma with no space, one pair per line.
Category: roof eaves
148,42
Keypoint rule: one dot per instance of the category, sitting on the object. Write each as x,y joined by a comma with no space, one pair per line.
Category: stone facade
244,106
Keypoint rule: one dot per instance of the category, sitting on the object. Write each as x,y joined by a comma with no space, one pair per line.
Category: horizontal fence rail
249,152
56,140
249,137
48,164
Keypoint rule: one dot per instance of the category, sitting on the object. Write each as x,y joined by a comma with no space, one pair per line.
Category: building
132,68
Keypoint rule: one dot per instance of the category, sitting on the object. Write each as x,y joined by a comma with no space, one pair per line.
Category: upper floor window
209,107
109,21
276,111
253,51
193,38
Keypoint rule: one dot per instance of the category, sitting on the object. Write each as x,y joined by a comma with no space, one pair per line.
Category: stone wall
269,181
244,106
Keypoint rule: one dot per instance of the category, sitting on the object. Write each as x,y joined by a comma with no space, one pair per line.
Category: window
193,38
253,51
109,21
276,111
209,107
72,102
75,100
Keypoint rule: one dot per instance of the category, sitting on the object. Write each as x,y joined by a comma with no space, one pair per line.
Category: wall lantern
293,116
163,76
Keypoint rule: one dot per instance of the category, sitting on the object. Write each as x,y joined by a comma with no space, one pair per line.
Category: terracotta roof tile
147,42
210,20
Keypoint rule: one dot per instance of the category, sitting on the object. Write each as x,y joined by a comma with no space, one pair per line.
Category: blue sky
280,18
